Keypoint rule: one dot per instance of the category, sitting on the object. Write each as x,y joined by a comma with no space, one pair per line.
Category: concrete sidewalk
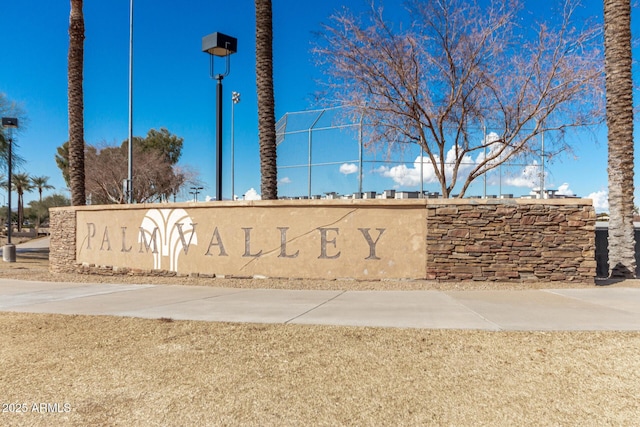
560,309
40,244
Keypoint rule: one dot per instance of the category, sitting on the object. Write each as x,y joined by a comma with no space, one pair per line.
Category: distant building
369,195
389,194
406,195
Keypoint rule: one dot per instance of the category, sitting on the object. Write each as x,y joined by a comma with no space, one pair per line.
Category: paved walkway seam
314,308
486,319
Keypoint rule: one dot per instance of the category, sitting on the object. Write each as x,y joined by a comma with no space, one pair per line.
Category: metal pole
9,250
235,98
542,174
233,143
9,186
360,155
310,149
421,171
309,159
130,163
219,78
484,175
422,143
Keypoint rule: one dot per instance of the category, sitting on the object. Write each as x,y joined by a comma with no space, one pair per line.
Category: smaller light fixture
219,44
9,122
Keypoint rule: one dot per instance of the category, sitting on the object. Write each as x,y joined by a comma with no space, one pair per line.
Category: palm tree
62,160
619,86
21,183
41,183
76,103
266,102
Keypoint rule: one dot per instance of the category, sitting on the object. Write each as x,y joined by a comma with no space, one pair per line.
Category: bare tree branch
459,67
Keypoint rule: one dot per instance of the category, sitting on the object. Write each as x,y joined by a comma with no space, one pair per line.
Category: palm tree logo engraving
175,233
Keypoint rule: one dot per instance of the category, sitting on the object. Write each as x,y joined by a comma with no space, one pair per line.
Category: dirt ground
110,371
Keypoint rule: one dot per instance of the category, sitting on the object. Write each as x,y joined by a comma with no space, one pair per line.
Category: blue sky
172,89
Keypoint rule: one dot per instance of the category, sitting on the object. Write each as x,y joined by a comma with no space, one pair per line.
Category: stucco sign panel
362,242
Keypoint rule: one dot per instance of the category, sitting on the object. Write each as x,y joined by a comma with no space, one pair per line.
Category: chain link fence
323,153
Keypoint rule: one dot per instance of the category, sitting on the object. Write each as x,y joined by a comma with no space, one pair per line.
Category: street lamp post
235,97
218,44
9,250
195,192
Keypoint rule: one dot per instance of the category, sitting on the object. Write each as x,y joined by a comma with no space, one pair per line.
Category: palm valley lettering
148,241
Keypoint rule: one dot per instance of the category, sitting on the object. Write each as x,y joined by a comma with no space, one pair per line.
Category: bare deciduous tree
458,67
156,178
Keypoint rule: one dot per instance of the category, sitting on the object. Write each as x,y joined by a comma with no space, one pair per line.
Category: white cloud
252,194
600,200
529,177
401,174
404,175
380,170
348,168
410,176
564,190
493,148
285,180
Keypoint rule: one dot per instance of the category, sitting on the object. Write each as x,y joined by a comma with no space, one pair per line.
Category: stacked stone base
504,241
62,250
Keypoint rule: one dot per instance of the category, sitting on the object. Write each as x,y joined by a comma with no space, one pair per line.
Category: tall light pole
9,250
235,97
218,44
129,187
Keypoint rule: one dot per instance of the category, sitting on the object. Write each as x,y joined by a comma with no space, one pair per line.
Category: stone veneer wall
477,239
511,240
62,251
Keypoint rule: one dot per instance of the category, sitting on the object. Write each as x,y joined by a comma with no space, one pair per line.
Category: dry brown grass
133,372
128,372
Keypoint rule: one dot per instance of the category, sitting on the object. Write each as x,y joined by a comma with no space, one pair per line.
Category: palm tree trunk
266,101
619,86
76,103
20,212
38,217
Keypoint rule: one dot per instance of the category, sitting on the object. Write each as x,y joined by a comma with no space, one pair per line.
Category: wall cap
512,202
397,203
